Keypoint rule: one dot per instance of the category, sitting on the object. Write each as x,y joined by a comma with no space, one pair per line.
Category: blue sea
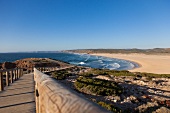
76,59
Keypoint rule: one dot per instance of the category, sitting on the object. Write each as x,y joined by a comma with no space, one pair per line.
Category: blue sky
49,25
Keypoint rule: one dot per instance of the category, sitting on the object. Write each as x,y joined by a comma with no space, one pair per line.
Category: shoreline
136,63
157,64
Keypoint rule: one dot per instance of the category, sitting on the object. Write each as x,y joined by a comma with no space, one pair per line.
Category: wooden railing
9,76
46,69
53,97
42,69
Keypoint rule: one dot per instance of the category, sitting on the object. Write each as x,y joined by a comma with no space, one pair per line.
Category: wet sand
159,64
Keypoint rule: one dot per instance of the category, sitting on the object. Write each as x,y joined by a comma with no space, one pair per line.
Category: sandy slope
149,63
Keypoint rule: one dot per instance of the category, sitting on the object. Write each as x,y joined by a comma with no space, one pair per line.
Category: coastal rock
132,97
145,107
30,63
8,65
162,110
117,98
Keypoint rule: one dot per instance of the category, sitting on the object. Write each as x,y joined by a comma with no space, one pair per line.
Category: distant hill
145,51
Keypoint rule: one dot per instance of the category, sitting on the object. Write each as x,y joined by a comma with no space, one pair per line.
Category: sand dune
159,64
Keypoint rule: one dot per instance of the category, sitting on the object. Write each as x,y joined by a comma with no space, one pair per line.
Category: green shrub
122,73
109,107
98,86
60,74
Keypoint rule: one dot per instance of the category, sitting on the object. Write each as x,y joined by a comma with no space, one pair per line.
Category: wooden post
1,82
22,72
16,73
11,76
7,78
19,73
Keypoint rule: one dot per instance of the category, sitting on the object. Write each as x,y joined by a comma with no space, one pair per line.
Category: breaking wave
103,62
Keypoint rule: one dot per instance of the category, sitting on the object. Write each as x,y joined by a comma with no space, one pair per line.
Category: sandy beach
159,64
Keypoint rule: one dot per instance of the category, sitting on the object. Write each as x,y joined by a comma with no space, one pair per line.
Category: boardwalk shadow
17,104
17,94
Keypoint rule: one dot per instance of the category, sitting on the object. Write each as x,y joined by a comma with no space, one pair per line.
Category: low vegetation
107,72
97,86
110,73
43,60
86,81
60,74
109,107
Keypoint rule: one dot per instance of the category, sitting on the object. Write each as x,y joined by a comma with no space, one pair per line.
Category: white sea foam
100,61
132,65
113,66
77,53
108,59
116,65
81,63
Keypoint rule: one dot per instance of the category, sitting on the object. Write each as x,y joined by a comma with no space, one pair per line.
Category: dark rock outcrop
30,63
8,65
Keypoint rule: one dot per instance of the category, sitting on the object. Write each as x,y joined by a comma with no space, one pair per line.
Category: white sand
159,64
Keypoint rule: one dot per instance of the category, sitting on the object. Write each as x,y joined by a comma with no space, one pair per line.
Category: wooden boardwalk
19,96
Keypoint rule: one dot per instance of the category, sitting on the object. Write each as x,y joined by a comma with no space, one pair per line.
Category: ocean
76,59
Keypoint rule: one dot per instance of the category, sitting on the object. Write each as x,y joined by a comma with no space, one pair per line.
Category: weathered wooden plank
19,96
